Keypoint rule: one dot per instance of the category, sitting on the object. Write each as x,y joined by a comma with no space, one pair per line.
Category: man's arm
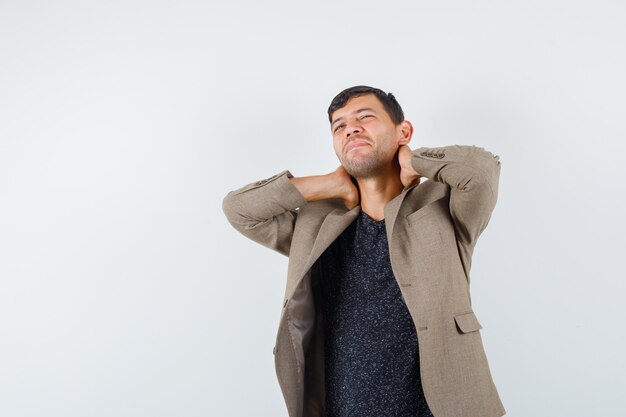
265,211
473,176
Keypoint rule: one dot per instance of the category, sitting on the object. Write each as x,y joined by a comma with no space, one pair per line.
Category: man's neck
376,192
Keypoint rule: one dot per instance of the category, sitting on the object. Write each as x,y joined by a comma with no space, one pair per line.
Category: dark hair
388,101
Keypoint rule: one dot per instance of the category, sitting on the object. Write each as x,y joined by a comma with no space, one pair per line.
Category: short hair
389,102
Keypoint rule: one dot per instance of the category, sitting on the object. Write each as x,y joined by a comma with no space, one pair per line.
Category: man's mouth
355,144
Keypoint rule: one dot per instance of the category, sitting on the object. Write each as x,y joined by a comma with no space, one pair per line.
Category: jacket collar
340,218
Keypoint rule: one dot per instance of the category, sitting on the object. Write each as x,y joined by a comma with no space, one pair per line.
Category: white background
125,292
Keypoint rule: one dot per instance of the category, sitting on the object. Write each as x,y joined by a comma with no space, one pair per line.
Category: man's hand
346,189
408,174
337,184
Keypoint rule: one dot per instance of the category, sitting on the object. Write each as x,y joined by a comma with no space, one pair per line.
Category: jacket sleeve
265,211
472,173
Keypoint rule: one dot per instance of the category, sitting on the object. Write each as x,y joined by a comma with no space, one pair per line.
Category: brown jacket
432,229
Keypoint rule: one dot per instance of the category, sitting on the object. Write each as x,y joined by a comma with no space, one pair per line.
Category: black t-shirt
370,342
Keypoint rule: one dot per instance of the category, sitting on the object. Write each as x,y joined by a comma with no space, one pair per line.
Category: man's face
364,137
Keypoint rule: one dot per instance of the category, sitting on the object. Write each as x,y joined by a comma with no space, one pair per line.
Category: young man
377,317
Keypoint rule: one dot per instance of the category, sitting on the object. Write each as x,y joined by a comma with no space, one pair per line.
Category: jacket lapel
391,211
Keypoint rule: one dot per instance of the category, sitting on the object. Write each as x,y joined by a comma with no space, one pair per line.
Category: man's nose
352,129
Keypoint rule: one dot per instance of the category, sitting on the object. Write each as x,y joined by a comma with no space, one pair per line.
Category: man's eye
338,127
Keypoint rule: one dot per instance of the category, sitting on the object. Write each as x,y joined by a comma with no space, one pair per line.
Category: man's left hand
408,174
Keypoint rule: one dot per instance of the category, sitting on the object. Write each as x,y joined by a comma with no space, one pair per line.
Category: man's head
388,101
374,119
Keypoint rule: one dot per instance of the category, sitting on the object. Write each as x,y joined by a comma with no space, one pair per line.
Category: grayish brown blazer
432,229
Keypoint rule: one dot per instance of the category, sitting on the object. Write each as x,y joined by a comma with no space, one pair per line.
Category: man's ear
405,131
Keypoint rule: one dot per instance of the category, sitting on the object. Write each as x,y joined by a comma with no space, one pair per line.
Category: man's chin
355,173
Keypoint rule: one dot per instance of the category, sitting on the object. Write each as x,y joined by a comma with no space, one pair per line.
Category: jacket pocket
467,322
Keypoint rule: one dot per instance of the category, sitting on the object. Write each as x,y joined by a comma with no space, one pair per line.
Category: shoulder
427,192
316,211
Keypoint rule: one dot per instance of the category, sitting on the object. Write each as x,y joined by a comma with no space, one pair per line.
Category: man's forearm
316,187
337,184
456,165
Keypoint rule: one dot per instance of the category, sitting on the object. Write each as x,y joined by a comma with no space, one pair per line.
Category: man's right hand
348,192
337,184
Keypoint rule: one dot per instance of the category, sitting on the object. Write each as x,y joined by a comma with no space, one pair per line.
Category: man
377,317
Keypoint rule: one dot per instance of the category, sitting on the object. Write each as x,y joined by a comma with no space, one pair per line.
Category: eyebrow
354,112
